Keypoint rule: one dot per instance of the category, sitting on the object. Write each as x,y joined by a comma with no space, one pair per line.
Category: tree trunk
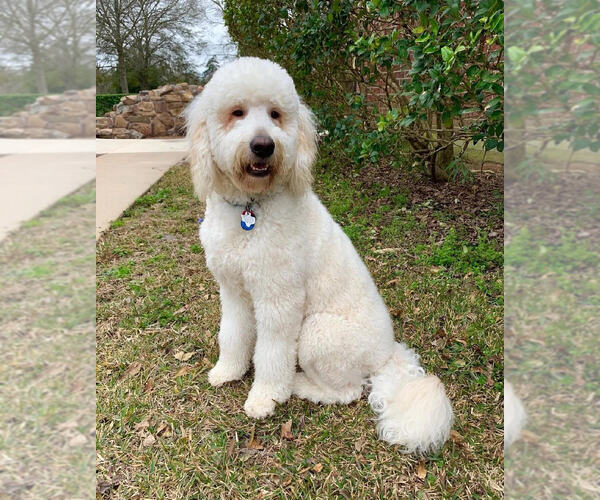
514,150
121,70
439,168
39,72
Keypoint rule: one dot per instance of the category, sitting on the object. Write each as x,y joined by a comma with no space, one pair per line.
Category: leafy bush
105,102
391,80
553,77
11,103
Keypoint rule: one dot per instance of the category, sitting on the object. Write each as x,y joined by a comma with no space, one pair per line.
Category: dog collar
248,218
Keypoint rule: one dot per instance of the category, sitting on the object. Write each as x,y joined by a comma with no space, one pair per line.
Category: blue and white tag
248,220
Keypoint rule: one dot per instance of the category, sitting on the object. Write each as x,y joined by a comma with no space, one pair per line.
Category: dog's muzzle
262,147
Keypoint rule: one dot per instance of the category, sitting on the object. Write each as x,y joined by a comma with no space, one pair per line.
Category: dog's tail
412,408
514,415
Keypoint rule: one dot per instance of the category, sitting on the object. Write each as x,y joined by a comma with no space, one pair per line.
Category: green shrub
11,103
409,82
105,102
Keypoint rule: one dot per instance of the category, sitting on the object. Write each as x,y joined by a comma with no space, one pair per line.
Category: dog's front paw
223,373
259,407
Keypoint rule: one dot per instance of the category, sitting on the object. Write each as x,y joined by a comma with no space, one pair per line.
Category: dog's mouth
258,169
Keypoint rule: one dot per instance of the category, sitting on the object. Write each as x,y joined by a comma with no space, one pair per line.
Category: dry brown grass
47,397
164,432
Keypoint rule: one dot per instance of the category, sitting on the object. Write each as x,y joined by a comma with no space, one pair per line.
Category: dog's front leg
278,320
237,334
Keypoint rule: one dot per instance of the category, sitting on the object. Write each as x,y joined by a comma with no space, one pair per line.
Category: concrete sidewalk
123,177
36,173
44,146
106,146
30,183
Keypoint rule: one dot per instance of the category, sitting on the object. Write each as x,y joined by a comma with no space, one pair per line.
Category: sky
214,33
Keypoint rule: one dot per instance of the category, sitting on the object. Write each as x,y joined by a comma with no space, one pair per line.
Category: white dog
514,415
293,289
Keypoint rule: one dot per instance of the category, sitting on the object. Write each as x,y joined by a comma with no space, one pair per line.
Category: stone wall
60,116
151,113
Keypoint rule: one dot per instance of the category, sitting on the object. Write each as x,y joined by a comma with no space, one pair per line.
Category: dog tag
248,220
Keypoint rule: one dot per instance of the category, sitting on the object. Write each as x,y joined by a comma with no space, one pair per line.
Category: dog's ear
301,177
201,161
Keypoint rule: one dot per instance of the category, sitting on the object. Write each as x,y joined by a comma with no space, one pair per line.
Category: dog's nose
262,146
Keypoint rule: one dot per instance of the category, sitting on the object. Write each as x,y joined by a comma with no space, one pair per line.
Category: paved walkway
36,173
104,146
30,183
123,177
28,146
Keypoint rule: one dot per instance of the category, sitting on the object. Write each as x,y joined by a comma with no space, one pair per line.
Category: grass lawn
47,352
553,334
164,432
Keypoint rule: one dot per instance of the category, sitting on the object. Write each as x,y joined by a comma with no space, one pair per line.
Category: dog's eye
238,112
274,114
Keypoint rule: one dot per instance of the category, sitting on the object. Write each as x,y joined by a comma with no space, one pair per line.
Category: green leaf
447,54
473,71
516,54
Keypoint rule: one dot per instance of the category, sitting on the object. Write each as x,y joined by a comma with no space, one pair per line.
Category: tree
27,28
115,22
74,44
211,66
162,34
147,37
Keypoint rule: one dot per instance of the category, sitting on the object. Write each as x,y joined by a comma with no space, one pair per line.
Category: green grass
11,103
164,432
47,353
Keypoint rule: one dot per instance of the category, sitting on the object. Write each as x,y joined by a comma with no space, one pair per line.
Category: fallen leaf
149,440
184,370
386,250
183,356
148,385
78,440
143,425
455,437
132,370
254,444
421,471
318,468
70,424
230,447
163,430
286,430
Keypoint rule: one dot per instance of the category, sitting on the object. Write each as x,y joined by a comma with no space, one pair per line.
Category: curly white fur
514,415
293,289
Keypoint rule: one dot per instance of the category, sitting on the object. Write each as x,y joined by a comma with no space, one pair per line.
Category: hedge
11,103
105,102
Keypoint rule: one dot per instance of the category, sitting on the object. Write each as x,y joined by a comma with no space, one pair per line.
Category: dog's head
249,131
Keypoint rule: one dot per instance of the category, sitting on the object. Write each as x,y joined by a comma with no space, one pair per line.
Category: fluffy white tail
514,415
412,408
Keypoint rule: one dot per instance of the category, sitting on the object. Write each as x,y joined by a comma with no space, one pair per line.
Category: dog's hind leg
305,388
332,371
